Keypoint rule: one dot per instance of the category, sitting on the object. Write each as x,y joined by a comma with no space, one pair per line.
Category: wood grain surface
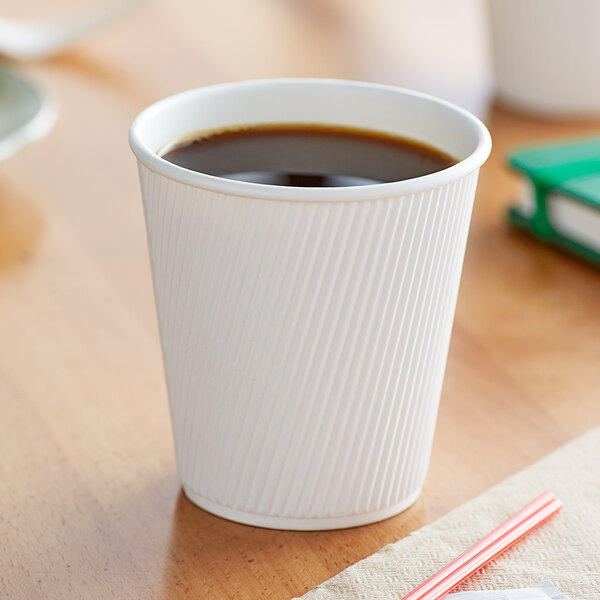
90,504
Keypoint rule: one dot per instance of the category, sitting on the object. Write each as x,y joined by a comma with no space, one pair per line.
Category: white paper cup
546,55
305,331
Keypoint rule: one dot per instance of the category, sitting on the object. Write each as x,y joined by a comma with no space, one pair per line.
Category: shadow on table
210,557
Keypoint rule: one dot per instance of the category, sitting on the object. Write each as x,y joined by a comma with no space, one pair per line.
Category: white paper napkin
565,550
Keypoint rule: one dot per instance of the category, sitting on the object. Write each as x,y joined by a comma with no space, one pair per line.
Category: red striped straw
511,531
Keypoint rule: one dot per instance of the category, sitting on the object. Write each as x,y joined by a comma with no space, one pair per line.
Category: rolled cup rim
154,162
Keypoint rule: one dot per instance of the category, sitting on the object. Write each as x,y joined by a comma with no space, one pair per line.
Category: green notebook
561,203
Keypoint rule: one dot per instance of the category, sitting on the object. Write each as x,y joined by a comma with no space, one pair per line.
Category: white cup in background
546,55
305,330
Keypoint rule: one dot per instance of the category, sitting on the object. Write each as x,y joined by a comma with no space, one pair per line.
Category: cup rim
154,162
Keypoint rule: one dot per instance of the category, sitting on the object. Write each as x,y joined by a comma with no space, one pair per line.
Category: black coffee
307,156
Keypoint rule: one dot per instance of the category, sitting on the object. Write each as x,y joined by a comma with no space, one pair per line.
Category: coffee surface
307,156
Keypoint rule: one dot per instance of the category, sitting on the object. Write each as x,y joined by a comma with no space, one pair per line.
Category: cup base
299,523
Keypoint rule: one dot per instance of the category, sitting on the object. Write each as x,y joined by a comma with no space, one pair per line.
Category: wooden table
90,504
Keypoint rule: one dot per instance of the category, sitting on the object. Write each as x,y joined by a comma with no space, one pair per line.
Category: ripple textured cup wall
305,331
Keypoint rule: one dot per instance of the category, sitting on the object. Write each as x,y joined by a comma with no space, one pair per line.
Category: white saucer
25,114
